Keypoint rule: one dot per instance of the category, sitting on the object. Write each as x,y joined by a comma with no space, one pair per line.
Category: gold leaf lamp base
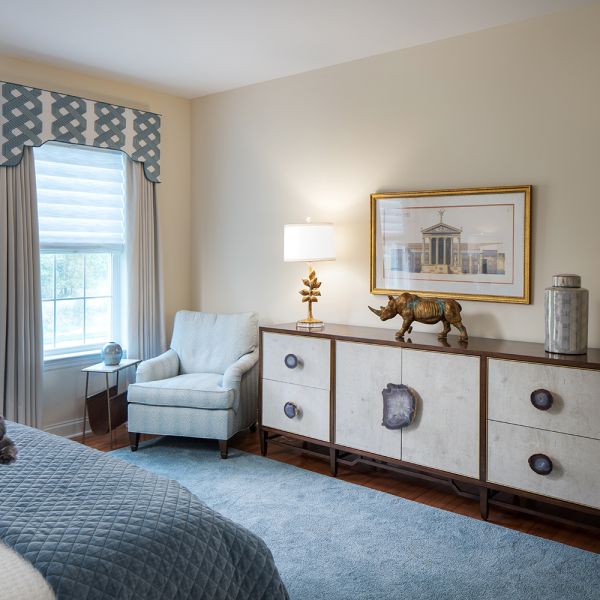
310,295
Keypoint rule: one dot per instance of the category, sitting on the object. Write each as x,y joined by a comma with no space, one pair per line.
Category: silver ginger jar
112,353
566,307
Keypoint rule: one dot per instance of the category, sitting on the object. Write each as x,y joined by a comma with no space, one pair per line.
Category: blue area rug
333,540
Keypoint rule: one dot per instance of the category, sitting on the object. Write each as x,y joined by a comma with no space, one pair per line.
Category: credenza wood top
528,351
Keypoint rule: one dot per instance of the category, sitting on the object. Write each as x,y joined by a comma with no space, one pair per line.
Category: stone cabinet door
445,432
362,372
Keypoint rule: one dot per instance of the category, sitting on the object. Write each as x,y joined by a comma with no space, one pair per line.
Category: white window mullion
115,306
84,291
54,301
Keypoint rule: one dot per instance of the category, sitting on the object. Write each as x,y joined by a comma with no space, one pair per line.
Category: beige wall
511,105
518,104
63,389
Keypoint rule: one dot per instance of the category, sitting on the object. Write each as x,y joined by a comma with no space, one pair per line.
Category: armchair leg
223,448
134,440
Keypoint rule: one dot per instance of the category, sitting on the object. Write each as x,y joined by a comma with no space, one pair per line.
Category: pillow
19,576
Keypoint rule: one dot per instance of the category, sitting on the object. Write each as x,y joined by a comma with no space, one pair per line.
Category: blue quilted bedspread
97,528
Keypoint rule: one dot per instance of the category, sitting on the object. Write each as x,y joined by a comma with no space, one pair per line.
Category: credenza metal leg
484,504
263,442
333,455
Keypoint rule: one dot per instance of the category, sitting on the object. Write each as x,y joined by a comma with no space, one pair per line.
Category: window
81,194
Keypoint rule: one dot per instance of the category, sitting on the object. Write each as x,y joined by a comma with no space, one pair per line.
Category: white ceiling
198,47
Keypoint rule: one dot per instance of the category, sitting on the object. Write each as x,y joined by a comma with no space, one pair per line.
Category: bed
97,528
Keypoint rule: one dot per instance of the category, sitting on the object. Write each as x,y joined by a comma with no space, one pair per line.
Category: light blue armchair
204,386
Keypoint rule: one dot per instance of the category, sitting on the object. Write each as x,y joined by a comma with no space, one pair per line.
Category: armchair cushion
209,343
194,390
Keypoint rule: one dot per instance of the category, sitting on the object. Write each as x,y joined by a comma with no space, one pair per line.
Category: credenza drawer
313,404
575,475
308,364
575,397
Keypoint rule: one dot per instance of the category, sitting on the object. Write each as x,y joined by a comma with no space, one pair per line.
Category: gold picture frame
479,249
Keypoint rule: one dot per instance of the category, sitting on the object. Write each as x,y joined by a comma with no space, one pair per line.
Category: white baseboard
68,429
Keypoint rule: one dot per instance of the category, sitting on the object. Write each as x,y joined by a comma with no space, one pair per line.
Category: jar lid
566,280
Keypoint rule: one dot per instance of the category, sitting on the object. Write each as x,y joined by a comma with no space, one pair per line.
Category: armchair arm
234,373
162,367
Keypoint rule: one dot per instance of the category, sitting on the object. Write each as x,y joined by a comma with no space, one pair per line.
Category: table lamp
309,242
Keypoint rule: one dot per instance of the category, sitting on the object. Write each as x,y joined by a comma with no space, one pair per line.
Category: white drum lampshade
309,242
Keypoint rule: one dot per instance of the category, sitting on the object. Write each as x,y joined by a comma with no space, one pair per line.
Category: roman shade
81,193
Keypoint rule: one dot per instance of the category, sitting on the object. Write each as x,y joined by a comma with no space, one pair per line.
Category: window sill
65,361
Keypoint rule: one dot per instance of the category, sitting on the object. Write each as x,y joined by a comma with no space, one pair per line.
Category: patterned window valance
31,116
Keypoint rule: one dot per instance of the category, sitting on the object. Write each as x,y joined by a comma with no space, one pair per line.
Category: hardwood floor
411,489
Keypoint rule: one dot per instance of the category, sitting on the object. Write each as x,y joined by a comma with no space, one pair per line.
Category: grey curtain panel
144,315
21,345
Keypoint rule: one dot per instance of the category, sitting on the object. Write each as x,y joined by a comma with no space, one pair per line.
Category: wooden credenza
475,426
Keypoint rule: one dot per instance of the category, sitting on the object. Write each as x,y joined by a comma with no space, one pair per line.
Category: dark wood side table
101,420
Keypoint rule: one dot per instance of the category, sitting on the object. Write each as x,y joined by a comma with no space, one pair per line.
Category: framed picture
472,244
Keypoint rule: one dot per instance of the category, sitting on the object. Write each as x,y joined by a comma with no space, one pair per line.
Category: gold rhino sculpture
423,310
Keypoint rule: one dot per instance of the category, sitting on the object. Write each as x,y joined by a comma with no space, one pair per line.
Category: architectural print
442,251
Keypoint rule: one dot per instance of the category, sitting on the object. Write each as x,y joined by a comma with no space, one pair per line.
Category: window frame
77,354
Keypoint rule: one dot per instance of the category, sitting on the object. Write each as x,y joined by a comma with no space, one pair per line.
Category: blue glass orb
112,353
